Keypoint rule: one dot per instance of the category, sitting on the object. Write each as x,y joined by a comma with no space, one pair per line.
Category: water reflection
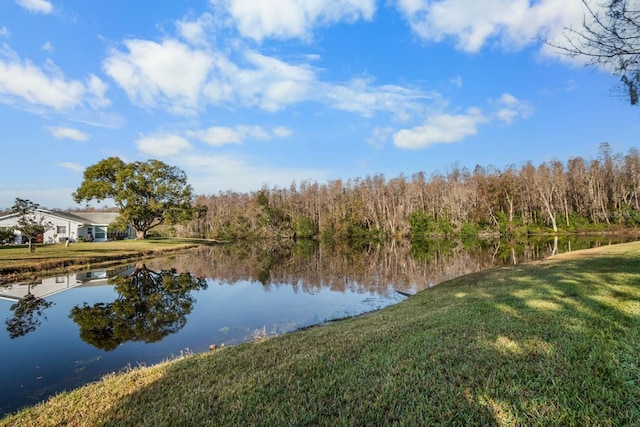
405,266
28,313
150,305
49,286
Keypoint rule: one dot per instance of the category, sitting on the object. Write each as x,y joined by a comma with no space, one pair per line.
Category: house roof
68,216
94,218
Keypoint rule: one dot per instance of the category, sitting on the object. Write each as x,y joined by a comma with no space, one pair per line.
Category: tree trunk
552,217
141,234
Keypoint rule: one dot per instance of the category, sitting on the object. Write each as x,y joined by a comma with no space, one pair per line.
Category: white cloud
96,90
71,166
196,31
36,6
511,108
175,76
282,132
162,145
4,32
444,128
218,136
441,129
21,80
24,80
48,47
68,133
360,96
270,83
169,73
294,18
472,23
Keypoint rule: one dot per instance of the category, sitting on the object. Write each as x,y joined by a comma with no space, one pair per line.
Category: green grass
547,343
17,262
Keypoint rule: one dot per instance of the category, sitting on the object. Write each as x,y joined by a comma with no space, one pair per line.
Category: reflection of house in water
52,285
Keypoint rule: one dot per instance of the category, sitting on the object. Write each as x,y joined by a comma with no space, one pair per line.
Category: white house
88,226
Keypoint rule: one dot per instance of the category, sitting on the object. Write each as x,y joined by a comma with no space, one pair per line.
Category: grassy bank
547,343
17,263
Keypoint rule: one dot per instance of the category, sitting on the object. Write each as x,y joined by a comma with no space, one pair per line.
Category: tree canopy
610,39
147,193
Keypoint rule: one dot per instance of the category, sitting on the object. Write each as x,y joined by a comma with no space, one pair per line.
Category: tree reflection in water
309,266
150,306
28,313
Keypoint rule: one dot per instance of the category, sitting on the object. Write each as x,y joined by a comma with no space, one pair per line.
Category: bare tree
609,37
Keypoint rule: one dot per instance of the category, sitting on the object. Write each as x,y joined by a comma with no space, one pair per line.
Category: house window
61,229
101,233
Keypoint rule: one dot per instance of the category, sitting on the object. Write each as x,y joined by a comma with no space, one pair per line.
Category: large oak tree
147,193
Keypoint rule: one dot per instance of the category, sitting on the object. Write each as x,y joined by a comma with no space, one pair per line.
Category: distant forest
580,195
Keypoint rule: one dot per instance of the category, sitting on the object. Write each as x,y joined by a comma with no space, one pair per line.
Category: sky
243,94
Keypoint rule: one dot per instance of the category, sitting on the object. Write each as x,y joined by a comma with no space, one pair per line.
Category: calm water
69,330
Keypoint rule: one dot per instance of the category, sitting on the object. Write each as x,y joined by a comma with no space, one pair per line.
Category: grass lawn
555,342
17,262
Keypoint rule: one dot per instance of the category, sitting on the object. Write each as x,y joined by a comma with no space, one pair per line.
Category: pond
66,331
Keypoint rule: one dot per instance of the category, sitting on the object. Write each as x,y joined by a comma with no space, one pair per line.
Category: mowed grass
548,343
16,261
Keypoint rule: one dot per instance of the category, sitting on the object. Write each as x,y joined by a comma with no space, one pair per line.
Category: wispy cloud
36,6
184,79
71,166
217,136
443,128
214,173
68,133
380,136
364,97
511,108
162,144
196,31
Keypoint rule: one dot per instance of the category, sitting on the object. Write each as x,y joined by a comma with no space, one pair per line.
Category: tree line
574,196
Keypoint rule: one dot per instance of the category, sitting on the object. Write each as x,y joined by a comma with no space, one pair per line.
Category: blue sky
243,93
